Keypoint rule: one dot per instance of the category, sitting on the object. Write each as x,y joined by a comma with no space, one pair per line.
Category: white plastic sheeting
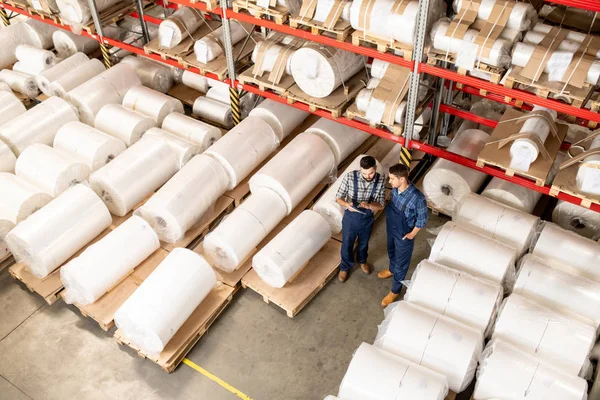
67,43
183,149
152,74
48,237
195,81
10,106
188,128
282,118
34,57
10,37
40,33
153,314
66,66
512,194
179,26
20,82
521,16
588,175
578,219
433,341
374,374
151,103
341,139
210,46
272,51
123,123
76,77
523,151
77,12
7,158
324,7
214,111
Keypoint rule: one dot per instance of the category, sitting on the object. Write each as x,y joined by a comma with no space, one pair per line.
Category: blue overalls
357,225
399,251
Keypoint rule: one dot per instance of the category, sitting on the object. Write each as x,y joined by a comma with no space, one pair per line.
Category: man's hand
366,205
410,235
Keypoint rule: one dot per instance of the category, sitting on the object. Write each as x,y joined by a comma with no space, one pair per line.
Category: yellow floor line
216,379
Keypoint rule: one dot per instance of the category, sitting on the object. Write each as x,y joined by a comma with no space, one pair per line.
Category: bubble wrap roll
178,26
7,158
188,128
20,82
67,43
213,111
512,195
47,238
520,18
151,103
122,123
79,75
578,219
153,75
183,149
77,12
282,118
209,47
341,139
195,81
64,67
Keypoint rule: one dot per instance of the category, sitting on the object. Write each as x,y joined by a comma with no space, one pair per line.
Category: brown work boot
343,276
389,298
365,268
386,273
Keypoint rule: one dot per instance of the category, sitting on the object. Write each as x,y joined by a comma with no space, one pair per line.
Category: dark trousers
355,226
400,252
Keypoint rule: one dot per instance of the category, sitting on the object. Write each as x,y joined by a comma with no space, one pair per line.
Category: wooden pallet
279,14
210,4
281,88
185,94
594,103
54,17
190,332
340,31
382,45
564,182
6,262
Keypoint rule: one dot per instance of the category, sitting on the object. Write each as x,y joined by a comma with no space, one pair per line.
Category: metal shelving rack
471,85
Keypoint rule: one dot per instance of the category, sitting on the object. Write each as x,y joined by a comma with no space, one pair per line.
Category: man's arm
342,193
379,200
422,218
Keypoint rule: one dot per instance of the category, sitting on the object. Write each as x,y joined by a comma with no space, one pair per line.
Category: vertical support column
4,17
103,47
140,10
234,94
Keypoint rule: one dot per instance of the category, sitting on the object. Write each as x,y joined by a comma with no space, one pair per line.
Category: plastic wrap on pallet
524,151
151,103
209,47
535,37
134,174
324,7
521,16
102,265
447,182
66,44
541,332
188,128
588,174
76,77
578,219
89,145
64,67
214,111
183,149
375,374
48,6
10,106
152,75
179,26
433,341
122,123
505,372
35,57
341,139
77,12
20,82
371,106
7,158
272,51
464,250
296,169
243,148
37,125
195,81
50,236
153,314
571,34
455,294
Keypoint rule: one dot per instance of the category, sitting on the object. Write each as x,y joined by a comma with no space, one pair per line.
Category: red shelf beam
591,5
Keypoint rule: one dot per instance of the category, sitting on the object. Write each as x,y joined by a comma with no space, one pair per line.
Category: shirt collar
408,189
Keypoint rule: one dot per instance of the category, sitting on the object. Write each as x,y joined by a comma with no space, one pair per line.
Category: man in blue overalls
406,214
361,193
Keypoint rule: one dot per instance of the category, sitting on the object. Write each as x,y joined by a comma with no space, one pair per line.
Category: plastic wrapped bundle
185,198
153,314
238,234
296,169
447,182
541,332
535,37
7,158
568,294
433,341
374,108
464,250
37,125
282,118
152,75
497,221
578,219
77,12
272,51
520,18
67,43
209,47
588,175
523,151
511,194
195,81
10,106
178,26
32,32
151,103
76,77
134,174
35,57
188,128
122,123
291,249
88,145
20,82
64,67
183,149
455,294
243,148
50,236
103,264
568,251
214,111
341,139
324,7
508,373
374,374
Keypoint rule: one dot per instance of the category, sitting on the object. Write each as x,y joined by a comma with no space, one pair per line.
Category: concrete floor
52,352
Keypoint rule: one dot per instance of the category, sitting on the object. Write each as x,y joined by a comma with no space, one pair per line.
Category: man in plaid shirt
361,193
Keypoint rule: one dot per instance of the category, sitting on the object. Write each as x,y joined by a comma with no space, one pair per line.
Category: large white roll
568,251
188,128
34,57
588,174
455,294
577,219
375,374
433,341
67,43
77,12
213,111
10,106
281,117
507,373
551,337
89,145
512,227
210,46
511,194
48,237
20,82
40,33
153,75
179,26
291,249
324,7
151,103
10,37
342,139
296,169
520,18
447,182
241,231
464,250
165,300
568,294
271,52
243,148
103,264
195,81
123,123
37,125
7,158
64,67
80,74
523,152
183,149
318,70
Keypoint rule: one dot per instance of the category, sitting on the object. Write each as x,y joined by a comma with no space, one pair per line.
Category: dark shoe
386,273
366,268
343,276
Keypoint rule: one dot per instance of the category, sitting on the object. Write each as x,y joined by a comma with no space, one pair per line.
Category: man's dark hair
399,171
367,162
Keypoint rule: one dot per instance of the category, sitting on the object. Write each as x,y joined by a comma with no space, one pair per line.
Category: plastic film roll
447,182
77,12
64,67
578,219
37,58
20,82
433,341
153,314
185,198
588,175
151,103
7,158
241,231
122,123
324,7
47,238
88,145
178,26
219,93
523,151
10,106
511,194
66,44
374,108
152,75
341,139
195,81
296,169
134,174
214,111
209,47
78,75
103,264
377,374
272,52
188,128
534,38
520,18
282,118
10,37
243,148
183,149
5,88
37,125
480,256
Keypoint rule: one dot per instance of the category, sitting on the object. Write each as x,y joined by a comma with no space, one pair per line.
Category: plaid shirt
346,189
414,204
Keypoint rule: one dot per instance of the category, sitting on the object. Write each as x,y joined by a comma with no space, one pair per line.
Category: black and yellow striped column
236,112
105,55
405,156
4,17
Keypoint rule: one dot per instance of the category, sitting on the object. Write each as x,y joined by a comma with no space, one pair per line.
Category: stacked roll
524,151
324,7
210,47
151,103
77,12
577,219
511,194
195,81
341,139
192,130
213,111
67,43
183,149
283,119
45,78
40,33
123,123
80,74
272,51
153,75
178,26
20,82
520,18
588,174
33,60
10,106
12,36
